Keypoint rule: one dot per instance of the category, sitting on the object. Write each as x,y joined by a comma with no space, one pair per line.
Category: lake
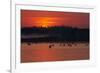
43,52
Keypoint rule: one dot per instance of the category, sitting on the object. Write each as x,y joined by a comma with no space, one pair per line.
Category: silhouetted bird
51,45
63,44
69,44
29,43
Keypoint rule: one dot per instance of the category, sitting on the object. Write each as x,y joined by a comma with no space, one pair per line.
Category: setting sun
45,26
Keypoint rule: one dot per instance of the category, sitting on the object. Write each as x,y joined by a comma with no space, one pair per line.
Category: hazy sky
31,18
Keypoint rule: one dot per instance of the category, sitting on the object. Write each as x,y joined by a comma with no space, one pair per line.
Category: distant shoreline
54,34
59,42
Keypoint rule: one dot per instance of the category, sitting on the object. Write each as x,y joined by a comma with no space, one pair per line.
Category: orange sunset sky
37,18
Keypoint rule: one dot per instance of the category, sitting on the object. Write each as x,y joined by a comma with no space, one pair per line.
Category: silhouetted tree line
56,34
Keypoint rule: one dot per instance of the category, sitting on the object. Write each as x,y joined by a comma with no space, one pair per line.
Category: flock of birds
62,44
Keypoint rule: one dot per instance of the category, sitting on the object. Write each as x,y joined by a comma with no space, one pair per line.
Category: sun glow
45,26
45,22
